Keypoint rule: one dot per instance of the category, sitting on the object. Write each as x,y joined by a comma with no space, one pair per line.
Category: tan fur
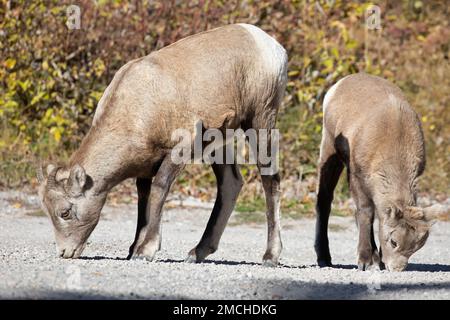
219,77
214,76
384,135
370,128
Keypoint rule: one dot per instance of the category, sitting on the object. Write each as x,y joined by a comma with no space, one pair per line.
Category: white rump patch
330,94
393,100
272,52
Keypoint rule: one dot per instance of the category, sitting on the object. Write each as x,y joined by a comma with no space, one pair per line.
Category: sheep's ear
434,212
50,168
77,180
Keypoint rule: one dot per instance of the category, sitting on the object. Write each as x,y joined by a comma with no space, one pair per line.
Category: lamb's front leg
368,256
149,240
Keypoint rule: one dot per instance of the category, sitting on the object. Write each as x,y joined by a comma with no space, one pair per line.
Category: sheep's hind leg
229,184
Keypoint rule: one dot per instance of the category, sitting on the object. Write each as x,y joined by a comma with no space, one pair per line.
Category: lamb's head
73,210
404,231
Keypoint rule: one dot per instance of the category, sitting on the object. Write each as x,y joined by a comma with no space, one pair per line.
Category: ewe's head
403,232
73,210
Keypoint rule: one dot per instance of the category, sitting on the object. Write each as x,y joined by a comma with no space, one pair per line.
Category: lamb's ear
393,213
416,213
433,212
77,180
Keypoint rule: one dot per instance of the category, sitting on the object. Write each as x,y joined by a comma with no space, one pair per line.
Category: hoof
191,259
141,257
270,260
193,256
369,262
324,263
269,263
198,254
368,266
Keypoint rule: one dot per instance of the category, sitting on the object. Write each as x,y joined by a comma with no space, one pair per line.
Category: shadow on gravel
428,267
411,267
344,266
421,267
241,263
218,262
288,289
334,266
102,258
80,295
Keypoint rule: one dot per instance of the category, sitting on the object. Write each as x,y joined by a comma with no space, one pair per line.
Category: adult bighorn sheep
369,127
229,77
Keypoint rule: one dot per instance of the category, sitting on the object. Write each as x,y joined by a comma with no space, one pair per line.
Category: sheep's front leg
149,240
143,190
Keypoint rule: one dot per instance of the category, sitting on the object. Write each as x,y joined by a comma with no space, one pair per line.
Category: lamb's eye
393,244
66,214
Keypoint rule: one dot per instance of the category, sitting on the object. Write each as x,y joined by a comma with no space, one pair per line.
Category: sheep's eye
66,214
393,244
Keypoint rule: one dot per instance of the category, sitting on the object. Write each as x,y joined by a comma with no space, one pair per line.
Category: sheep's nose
70,252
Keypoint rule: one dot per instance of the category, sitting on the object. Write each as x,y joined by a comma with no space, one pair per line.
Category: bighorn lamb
229,77
369,127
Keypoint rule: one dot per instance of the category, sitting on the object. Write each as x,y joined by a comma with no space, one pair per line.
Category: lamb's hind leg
149,240
330,168
229,184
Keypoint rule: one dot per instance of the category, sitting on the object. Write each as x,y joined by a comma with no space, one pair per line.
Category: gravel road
29,268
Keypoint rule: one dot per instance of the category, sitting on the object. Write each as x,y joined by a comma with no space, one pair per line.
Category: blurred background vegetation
51,78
